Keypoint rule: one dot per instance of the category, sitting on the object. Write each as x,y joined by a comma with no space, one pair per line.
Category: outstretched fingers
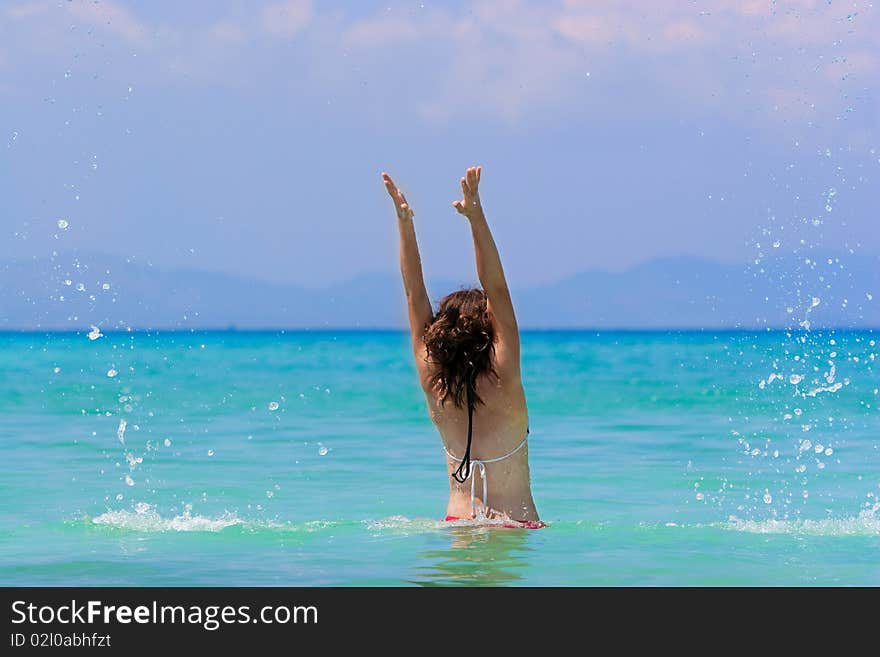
390,186
396,195
470,202
472,179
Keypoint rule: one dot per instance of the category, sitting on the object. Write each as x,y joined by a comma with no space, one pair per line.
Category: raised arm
491,275
418,304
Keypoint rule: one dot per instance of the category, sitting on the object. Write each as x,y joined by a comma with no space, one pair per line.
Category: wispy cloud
513,58
510,59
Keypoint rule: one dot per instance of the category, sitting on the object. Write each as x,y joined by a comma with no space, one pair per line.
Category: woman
467,357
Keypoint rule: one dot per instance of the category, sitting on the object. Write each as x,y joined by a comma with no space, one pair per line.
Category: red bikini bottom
509,524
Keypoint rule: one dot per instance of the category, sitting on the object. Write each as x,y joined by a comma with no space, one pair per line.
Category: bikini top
479,464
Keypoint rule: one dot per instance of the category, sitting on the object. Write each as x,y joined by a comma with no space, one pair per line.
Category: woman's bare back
500,428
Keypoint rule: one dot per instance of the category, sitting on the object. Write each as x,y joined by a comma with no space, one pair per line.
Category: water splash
145,518
866,523
133,461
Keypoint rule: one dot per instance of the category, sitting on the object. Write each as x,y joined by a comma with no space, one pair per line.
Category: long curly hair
460,343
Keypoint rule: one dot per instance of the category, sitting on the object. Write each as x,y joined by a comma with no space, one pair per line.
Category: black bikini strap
466,460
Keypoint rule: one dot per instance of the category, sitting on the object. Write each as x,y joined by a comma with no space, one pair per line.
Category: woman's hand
470,206
404,212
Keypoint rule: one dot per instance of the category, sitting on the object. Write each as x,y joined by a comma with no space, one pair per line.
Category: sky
248,137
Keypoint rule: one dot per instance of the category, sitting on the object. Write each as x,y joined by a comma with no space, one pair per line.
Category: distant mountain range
73,292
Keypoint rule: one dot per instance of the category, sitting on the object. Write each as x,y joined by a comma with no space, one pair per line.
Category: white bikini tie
481,464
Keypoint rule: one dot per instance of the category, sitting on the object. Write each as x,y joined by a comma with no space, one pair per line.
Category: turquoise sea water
657,458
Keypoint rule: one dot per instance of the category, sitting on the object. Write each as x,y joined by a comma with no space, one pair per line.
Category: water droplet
119,496
777,244
768,498
828,451
794,379
869,296
167,442
323,450
801,468
816,301
701,496
273,406
57,370
105,286
68,282
129,480
120,431
111,373
80,287
210,452
270,494
94,334
819,448
63,224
